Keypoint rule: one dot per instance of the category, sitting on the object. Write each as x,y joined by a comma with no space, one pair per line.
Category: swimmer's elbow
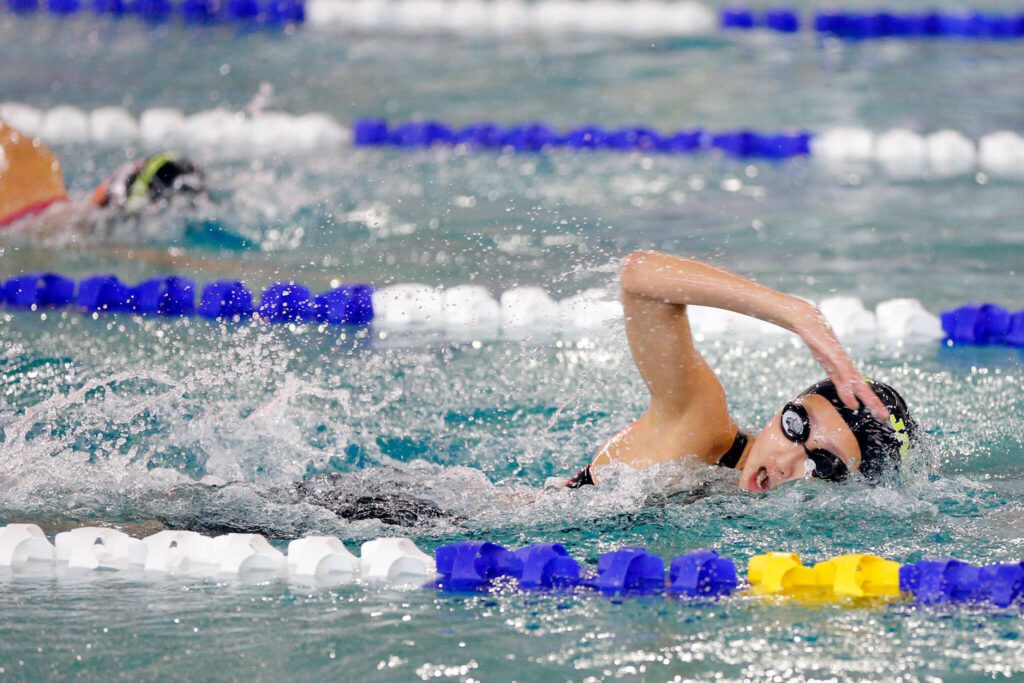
633,269
644,272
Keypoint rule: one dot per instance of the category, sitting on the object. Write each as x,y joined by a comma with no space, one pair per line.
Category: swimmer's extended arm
656,288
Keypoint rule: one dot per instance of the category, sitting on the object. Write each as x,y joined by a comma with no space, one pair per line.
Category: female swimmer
840,425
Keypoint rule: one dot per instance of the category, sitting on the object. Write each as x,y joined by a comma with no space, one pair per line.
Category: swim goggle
796,426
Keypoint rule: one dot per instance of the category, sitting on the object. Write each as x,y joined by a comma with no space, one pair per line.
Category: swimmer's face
775,459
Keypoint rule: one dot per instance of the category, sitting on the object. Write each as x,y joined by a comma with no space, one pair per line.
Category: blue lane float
469,565
476,566
630,569
984,324
169,296
702,573
473,565
268,12
942,581
847,25
547,565
226,300
281,302
534,137
47,290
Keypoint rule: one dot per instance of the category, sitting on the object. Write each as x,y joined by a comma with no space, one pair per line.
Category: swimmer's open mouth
760,481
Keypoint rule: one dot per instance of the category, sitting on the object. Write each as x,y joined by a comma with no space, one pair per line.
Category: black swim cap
150,180
881,445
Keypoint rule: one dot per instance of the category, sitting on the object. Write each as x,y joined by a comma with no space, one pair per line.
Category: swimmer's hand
812,327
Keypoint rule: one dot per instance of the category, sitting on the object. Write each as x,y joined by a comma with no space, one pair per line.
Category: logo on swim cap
901,433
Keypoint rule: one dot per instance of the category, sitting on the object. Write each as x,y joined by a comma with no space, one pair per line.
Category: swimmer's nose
789,464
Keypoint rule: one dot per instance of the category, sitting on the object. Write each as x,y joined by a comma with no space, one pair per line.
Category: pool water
114,420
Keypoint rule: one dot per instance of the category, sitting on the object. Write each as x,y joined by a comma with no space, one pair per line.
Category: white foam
390,559
21,544
319,555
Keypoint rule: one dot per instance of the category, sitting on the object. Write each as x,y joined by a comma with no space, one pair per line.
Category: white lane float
591,309
162,126
393,559
187,552
848,316
527,310
1002,154
320,555
950,153
901,153
215,132
244,553
646,18
470,307
843,145
99,548
22,544
113,126
408,305
907,319
179,552
22,117
65,124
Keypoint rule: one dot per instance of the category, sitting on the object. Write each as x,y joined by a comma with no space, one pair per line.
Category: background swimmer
35,201
845,423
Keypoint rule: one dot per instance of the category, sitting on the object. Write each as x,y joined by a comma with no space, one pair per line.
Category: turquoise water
115,420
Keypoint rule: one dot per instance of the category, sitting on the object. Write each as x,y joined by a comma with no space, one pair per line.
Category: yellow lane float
847,576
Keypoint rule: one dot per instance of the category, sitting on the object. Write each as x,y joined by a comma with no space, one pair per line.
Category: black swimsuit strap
582,478
732,456
730,459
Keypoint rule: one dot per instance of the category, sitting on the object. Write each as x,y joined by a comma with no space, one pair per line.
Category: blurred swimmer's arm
656,289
